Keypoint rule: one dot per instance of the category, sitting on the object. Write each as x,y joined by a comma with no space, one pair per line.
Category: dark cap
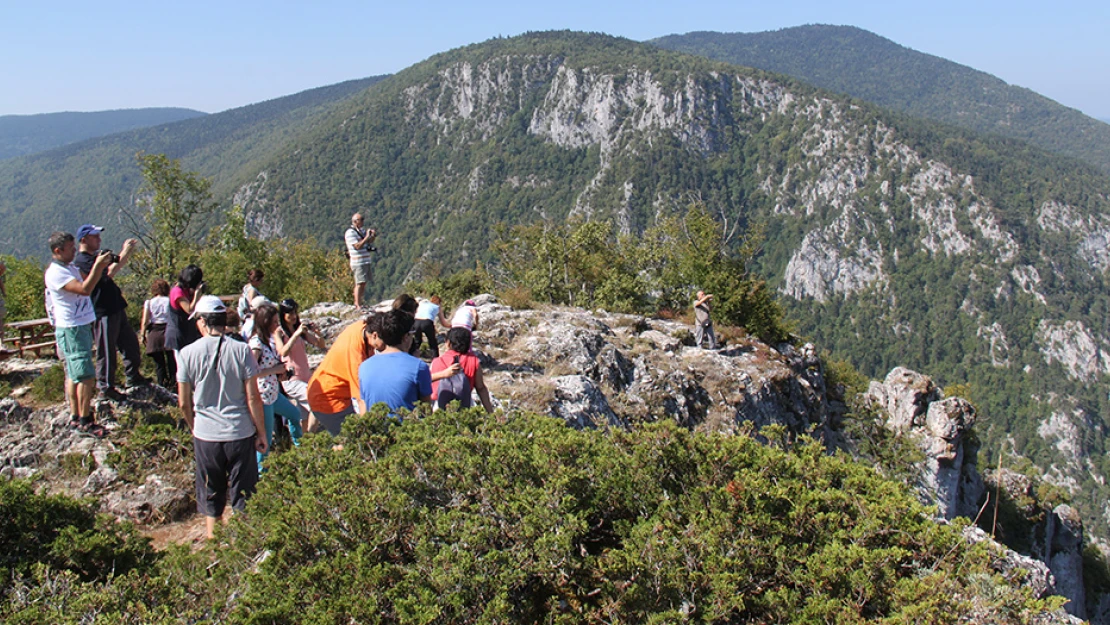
86,230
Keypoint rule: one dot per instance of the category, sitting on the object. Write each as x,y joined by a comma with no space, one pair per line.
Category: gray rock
913,408
154,501
580,403
1064,556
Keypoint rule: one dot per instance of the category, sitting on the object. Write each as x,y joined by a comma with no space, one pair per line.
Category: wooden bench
35,335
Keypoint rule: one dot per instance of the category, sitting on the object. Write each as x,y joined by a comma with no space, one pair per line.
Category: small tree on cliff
163,217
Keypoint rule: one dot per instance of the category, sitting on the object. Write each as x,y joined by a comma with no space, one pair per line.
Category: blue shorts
76,345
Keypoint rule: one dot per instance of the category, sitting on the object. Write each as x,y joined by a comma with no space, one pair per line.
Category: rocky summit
594,369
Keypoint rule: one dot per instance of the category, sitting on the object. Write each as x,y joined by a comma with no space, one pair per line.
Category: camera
112,255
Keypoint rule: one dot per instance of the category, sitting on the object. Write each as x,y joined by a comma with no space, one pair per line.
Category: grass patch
50,387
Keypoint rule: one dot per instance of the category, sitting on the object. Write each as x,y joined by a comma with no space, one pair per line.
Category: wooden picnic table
35,335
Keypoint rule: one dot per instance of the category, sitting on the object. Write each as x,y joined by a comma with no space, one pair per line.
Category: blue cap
86,230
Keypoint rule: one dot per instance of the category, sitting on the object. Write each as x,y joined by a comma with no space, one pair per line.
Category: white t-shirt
70,309
464,317
158,309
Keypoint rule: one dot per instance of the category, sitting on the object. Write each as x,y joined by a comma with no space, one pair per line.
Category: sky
67,55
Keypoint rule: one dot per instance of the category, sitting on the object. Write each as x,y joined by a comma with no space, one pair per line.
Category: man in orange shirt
333,388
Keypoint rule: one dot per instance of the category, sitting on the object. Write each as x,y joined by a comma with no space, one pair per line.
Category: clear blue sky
212,56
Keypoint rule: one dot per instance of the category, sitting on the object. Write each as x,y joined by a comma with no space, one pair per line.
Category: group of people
233,385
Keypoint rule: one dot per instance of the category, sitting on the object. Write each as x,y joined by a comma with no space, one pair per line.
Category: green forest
444,170
864,65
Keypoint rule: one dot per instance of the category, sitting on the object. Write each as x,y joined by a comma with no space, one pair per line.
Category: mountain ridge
851,60
103,173
21,135
894,241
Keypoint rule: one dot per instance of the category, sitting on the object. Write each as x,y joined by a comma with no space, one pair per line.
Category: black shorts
226,470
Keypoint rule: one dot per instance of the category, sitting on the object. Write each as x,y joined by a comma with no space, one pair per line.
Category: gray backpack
454,388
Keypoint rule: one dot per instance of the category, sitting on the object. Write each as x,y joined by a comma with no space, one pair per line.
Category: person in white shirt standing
73,320
359,249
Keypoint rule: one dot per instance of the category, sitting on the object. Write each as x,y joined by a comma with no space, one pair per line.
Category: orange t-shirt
335,383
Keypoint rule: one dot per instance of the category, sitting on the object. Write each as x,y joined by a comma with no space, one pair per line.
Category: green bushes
459,517
585,264
65,534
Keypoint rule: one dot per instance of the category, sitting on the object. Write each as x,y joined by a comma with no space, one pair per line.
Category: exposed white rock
1060,430
995,335
823,266
1071,344
1028,279
912,407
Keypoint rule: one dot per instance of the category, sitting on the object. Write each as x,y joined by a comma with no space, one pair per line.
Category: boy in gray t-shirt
218,395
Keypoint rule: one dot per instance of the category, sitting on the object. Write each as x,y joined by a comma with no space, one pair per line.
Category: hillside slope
26,134
975,259
91,180
864,65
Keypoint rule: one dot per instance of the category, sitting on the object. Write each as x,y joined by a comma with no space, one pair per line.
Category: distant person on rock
359,248
427,313
69,293
250,291
466,316
703,326
113,331
218,395
152,330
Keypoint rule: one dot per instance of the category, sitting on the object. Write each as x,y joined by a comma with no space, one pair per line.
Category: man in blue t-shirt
393,377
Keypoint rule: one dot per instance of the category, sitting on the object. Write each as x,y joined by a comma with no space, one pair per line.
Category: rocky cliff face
912,406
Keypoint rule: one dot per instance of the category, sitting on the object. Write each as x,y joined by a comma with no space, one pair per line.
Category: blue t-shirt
397,379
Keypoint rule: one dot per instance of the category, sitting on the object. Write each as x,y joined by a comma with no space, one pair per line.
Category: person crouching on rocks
218,396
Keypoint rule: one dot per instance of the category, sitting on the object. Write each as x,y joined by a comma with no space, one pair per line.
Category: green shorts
362,273
76,345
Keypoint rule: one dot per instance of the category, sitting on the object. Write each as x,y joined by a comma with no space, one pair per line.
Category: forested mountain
27,134
91,180
976,259
864,65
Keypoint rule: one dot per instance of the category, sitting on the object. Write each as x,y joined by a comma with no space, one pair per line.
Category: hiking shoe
138,382
112,394
93,428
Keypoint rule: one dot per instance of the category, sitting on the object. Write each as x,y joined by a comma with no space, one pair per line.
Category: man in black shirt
111,331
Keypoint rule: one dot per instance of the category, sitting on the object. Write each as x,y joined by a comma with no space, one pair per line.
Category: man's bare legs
360,289
71,397
85,390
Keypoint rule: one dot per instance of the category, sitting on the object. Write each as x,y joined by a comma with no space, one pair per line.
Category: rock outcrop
912,406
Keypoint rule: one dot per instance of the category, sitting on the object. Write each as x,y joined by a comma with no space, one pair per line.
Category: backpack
454,388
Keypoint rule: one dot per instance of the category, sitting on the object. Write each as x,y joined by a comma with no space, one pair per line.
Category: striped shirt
358,256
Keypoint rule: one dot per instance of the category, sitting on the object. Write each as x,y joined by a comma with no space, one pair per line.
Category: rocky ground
591,369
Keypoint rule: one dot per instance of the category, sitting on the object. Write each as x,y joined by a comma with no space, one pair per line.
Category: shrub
50,387
460,517
63,533
151,448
